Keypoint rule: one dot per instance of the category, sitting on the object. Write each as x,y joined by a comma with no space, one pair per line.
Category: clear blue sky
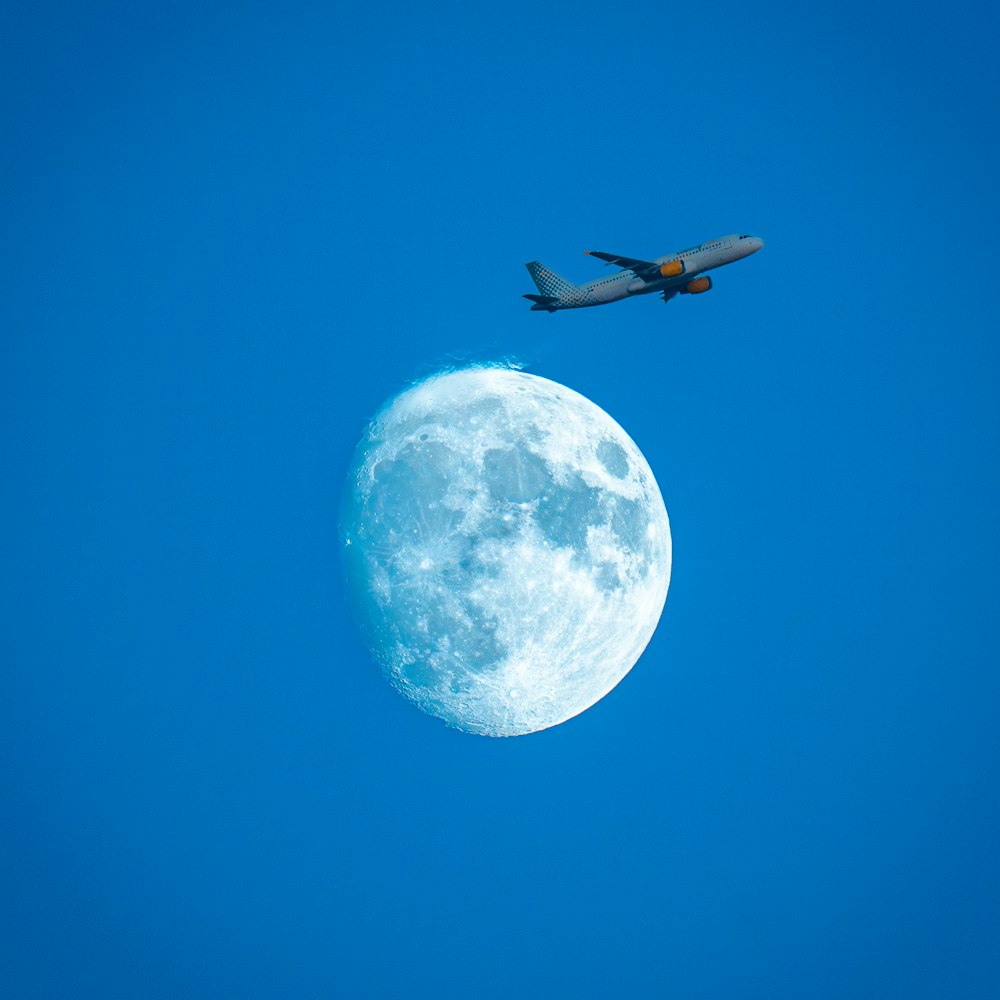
231,231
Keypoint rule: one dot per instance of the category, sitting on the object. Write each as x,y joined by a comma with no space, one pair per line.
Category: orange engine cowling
699,285
671,269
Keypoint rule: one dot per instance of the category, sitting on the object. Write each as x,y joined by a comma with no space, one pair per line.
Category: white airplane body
680,273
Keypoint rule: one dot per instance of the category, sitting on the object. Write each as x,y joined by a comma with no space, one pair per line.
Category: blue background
230,232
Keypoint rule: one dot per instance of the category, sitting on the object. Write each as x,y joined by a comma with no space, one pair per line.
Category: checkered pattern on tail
549,283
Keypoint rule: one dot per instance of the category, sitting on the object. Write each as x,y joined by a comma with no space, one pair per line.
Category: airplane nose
756,243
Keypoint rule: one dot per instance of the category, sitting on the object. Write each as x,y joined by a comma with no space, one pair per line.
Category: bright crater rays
507,547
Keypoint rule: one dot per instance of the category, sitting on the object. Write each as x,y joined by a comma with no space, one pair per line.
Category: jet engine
699,285
671,269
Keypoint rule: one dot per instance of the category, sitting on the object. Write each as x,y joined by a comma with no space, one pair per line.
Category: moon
507,549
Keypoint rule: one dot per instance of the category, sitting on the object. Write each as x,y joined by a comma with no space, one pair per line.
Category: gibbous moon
507,547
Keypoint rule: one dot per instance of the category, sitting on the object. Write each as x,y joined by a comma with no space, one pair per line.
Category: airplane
674,274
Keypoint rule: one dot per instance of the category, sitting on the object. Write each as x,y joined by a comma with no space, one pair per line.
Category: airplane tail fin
548,282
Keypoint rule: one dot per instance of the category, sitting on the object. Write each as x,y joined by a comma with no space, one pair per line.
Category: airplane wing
648,270
629,262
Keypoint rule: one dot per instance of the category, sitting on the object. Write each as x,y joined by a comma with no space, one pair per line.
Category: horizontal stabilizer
543,303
